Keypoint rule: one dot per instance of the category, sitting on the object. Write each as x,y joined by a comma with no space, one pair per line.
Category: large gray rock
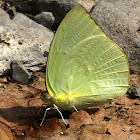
21,39
120,20
58,8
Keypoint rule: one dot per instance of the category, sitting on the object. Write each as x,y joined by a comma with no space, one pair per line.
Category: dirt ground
21,112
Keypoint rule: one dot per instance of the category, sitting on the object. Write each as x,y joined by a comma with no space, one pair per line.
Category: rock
45,18
59,8
20,73
120,20
22,39
10,9
134,89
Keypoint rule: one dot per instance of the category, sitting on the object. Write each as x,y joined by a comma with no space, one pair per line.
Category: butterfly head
46,97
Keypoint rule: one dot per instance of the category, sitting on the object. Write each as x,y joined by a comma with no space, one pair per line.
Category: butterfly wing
84,65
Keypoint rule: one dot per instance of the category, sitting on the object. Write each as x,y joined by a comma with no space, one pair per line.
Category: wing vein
106,80
95,88
109,67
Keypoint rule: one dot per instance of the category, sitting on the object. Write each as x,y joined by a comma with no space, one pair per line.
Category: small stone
20,73
45,18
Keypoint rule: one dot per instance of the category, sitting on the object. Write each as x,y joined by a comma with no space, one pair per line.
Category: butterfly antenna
60,114
45,115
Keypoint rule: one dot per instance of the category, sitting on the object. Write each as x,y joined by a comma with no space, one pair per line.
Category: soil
22,110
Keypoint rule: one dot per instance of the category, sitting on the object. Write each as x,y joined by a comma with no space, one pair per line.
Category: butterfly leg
75,108
60,114
45,115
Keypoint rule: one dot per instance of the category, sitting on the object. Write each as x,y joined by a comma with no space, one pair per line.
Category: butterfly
84,68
